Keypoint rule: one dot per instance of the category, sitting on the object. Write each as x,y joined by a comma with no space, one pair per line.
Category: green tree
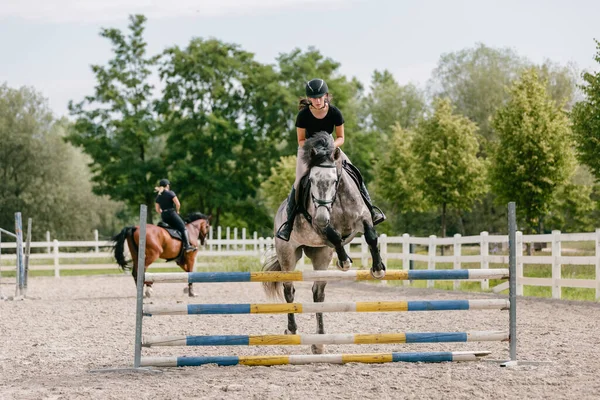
397,179
534,155
390,104
445,147
225,115
586,120
475,80
42,175
572,209
275,189
116,126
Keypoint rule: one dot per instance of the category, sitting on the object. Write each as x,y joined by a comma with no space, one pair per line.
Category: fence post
19,252
484,250
210,238
235,245
383,239
519,257
431,258
405,256
27,254
219,238
255,237
228,237
56,265
457,255
556,265
48,241
96,240
597,264
244,239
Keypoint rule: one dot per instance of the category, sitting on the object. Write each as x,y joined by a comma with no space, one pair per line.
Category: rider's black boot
285,230
376,214
186,242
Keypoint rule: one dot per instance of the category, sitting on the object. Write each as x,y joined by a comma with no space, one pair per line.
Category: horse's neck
193,227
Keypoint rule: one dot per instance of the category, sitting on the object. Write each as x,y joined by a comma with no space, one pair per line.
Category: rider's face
318,102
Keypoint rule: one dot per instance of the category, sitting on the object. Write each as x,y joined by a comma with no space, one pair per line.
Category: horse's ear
337,153
209,217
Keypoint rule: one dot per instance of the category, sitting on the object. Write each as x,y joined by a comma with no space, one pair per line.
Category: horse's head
324,162
200,222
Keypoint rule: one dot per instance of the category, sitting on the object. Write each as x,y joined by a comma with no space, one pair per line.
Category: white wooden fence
488,249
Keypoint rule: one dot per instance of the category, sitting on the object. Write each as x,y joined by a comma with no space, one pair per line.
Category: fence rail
492,250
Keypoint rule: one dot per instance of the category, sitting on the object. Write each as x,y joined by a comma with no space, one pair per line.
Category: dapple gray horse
337,214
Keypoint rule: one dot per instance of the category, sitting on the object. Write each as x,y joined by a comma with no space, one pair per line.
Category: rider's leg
376,214
176,222
285,230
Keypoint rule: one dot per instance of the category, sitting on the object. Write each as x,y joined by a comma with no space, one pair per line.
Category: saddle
175,234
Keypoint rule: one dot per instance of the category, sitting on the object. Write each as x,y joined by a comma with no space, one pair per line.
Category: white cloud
108,10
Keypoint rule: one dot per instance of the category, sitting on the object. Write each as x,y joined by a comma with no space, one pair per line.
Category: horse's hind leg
288,293
290,259
320,257
378,268
318,290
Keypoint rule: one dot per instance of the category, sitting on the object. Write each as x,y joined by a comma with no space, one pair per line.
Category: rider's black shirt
165,200
308,121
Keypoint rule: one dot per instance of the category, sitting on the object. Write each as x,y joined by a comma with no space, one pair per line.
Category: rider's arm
339,136
157,208
177,204
301,132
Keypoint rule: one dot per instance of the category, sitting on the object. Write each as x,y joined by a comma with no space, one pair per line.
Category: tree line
490,127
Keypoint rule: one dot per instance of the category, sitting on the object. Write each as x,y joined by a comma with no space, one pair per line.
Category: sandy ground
48,346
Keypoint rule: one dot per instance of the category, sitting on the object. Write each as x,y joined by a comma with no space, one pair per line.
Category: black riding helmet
316,88
164,182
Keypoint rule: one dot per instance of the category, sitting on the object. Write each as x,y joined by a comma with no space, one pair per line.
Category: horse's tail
119,247
272,289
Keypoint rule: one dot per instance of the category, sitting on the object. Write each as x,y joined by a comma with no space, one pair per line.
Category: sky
50,44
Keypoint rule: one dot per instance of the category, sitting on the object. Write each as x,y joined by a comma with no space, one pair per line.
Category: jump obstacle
384,338
22,267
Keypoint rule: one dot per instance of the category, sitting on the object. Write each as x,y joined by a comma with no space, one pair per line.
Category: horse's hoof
317,349
344,265
288,332
148,293
378,274
192,294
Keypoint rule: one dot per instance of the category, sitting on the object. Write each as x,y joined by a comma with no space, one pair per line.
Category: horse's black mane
322,143
191,217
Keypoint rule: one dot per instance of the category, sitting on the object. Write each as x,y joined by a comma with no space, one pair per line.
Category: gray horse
333,215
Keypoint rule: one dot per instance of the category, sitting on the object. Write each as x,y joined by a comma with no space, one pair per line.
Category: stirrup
377,215
190,248
284,232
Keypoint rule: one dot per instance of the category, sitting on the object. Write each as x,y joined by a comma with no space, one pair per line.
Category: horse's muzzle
322,217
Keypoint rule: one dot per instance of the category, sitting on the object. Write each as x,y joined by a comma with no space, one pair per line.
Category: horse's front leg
344,262
189,267
378,268
288,293
318,290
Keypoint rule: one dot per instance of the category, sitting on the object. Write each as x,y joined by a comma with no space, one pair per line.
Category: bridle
324,202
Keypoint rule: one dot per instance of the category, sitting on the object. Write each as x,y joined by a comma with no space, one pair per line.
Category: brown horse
160,244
